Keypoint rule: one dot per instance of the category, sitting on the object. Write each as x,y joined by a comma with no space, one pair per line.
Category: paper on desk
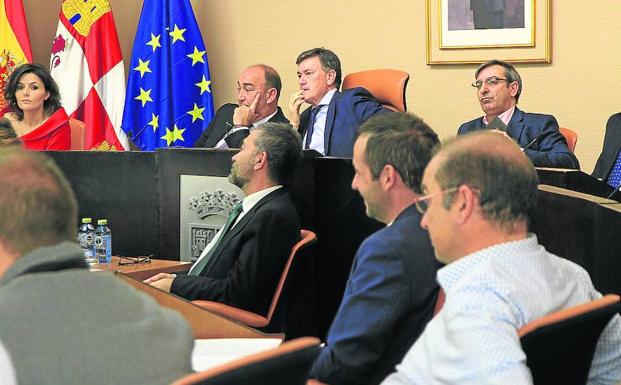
213,352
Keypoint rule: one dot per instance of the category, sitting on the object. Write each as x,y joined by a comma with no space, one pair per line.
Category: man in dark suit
258,90
242,266
499,86
611,153
391,292
330,125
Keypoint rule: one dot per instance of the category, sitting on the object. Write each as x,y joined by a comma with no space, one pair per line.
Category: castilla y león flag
87,64
14,41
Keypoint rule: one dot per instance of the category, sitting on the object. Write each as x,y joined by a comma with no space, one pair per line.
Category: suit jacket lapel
238,227
220,129
330,122
279,117
516,125
304,121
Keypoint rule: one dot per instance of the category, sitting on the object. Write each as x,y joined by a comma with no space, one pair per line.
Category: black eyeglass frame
134,260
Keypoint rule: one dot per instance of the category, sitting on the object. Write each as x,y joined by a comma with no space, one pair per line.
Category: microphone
614,191
532,142
497,124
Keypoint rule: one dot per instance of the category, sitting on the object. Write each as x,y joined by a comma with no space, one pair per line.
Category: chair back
288,364
253,319
78,134
571,137
386,85
559,347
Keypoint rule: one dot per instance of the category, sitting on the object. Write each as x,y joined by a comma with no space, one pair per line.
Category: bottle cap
102,222
86,220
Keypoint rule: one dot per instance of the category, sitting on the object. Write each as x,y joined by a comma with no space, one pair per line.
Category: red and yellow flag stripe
14,41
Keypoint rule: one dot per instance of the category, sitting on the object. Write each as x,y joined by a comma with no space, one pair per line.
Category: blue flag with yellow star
168,101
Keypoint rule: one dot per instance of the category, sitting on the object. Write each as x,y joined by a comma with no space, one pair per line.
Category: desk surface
143,271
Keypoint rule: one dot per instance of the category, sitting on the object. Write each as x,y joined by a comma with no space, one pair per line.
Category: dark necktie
311,126
201,263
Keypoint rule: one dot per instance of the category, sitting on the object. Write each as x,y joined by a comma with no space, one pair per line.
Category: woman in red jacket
34,109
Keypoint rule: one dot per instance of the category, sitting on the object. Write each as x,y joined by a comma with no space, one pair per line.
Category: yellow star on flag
144,97
197,113
196,56
155,42
177,34
155,122
174,135
143,67
204,85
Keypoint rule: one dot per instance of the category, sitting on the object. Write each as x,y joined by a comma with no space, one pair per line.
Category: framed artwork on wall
474,31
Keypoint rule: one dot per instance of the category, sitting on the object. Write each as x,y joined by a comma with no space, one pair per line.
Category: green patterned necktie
201,263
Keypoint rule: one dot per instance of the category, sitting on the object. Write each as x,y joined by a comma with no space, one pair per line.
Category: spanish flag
14,40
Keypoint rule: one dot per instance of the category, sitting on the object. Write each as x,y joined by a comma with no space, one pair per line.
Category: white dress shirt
490,294
319,128
222,143
7,372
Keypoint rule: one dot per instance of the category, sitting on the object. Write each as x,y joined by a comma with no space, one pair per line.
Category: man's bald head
496,168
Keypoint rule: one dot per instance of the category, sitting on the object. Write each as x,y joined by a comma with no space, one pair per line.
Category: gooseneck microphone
532,142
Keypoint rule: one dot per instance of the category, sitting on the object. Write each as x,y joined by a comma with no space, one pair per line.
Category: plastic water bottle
86,238
103,241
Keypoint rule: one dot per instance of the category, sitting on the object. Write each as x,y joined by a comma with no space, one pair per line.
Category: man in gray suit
60,323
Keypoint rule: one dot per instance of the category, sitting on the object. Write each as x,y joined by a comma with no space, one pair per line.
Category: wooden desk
142,271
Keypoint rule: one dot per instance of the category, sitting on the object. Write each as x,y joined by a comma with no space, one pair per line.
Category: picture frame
518,31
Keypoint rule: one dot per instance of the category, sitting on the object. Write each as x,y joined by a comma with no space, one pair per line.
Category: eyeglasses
422,203
128,261
490,81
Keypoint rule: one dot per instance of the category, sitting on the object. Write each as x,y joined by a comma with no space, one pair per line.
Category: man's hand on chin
295,103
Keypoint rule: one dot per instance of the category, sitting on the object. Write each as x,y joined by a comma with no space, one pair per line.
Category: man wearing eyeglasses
258,90
499,86
479,191
391,292
60,323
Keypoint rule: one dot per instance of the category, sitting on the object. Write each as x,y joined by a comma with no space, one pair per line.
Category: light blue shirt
490,294
319,128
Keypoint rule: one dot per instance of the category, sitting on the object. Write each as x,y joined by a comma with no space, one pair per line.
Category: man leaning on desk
242,264
258,90
499,86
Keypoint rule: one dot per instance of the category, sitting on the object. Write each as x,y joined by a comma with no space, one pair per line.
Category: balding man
60,323
258,90
479,191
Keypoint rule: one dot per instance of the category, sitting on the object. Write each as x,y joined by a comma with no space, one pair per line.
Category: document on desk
208,353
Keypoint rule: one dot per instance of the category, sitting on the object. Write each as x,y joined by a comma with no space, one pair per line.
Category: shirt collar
505,117
452,273
264,120
327,97
254,198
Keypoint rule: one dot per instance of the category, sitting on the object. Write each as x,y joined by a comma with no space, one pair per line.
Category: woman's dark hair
49,106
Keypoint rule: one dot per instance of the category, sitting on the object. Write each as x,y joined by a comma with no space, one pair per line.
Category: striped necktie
311,126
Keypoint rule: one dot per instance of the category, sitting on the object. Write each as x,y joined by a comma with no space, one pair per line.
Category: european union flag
168,100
